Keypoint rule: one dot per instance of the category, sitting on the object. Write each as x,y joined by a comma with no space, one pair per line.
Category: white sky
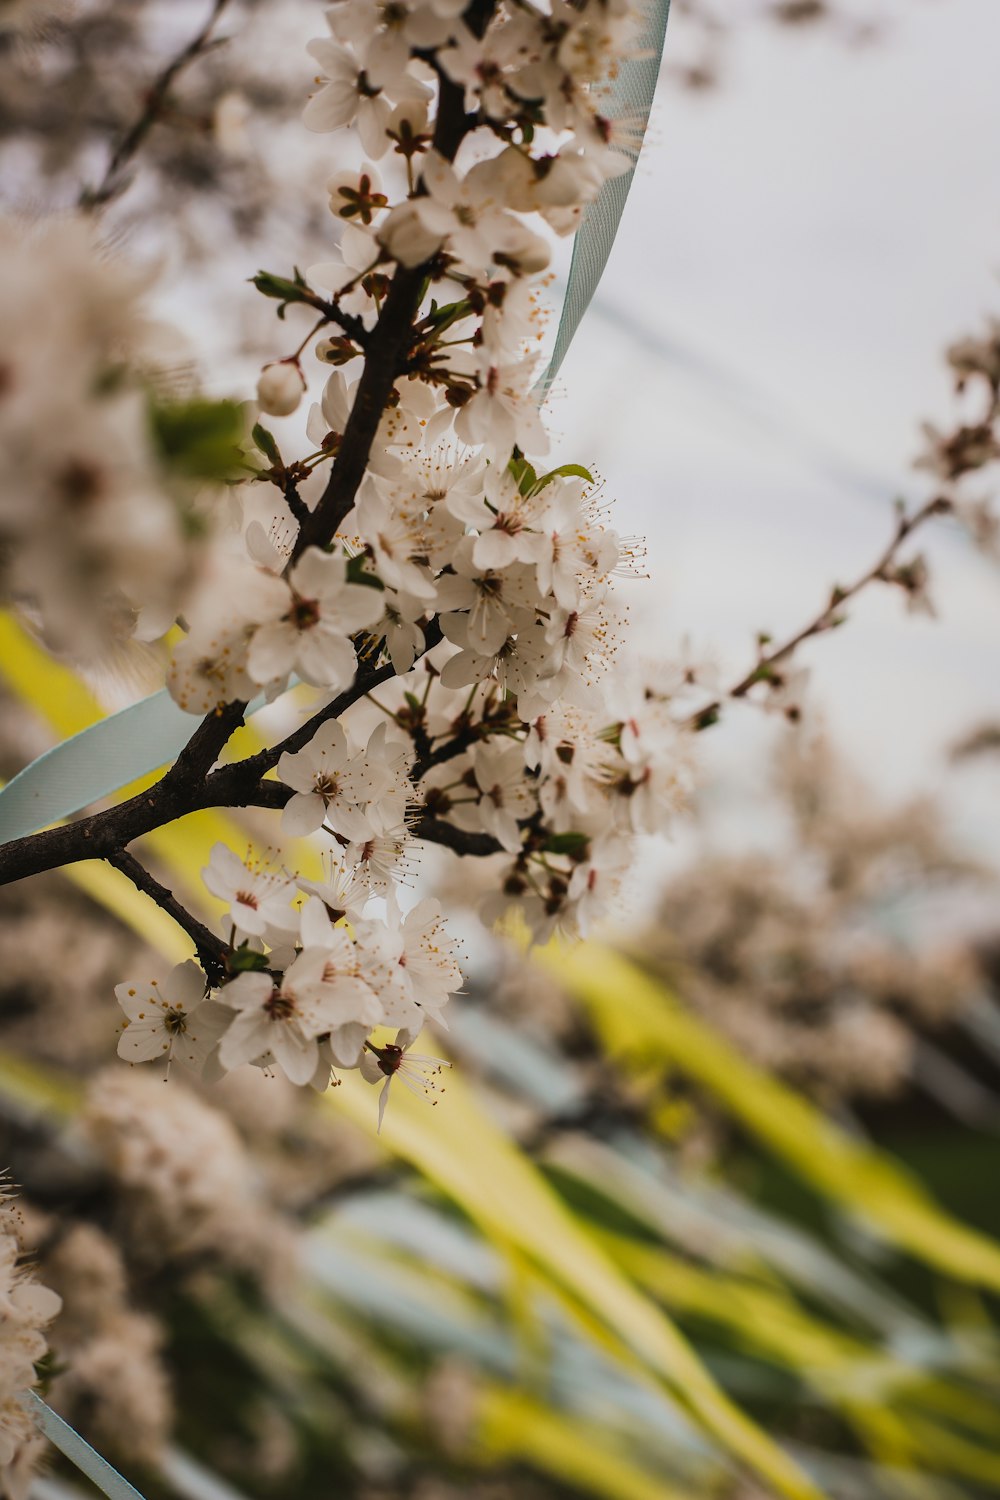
799,247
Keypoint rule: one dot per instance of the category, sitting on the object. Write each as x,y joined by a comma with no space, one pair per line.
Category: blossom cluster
307,983
25,1309
96,532
421,546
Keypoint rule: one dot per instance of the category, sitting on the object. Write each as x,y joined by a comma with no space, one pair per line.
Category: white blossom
170,1020
258,897
416,1071
309,618
280,388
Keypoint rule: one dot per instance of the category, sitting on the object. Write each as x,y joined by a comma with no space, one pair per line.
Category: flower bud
280,388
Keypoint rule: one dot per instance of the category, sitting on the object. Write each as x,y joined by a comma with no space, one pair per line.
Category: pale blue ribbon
93,764
79,1452
130,744
630,97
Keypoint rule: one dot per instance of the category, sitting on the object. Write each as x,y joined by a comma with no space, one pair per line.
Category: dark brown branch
381,360
437,831
348,323
273,795
114,180
449,749
180,791
389,340
210,950
206,744
829,616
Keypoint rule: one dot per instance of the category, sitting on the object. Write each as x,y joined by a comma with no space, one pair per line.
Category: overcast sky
799,247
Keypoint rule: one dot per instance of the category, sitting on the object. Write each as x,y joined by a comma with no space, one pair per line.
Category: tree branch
210,950
828,617
113,180
389,338
437,831
190,784
180,791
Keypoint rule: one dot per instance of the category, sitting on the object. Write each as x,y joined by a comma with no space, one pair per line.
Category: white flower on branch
358,794
382,860
170,1020
575,548
398,627
348,96
410,963
283,1018
488,598
524,666
416,1071
344,891
258,897
357,252
306,621
502,413
395,540
506,795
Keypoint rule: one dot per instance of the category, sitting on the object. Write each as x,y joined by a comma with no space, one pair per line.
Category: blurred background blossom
714,1127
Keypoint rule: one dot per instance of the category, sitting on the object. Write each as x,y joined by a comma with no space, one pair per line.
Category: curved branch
184,789
437,831
113,181
210,950
829,616
389,339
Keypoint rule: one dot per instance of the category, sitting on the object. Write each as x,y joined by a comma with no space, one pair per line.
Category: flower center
390,1058
280,1006
304,613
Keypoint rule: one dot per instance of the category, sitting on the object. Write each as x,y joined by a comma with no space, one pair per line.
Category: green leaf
567,843
245,960
522,471
357,573
564,471
200,439
281,288
264,440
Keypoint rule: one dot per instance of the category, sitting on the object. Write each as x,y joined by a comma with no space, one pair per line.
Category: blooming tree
423,546
419,555
420,546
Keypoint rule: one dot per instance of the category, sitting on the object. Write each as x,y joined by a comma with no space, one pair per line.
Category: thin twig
211,951
114,179
829,616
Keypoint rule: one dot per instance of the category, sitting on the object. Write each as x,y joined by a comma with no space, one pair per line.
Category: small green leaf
264,440
200,439
356,573
522,472
245,960
283,290
564,471
567,843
